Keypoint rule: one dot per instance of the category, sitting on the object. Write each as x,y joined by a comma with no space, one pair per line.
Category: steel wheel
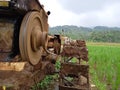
32,38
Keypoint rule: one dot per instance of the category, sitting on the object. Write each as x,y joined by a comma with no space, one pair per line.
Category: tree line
94,34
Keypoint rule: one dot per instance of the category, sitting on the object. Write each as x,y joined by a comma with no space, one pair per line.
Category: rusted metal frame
74,69
69,70
54,42
66,61
79,53
23,5
71,88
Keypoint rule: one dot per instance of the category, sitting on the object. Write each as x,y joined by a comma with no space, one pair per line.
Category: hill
95,34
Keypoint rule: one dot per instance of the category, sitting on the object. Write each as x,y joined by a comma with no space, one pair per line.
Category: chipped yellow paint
4,87
4,3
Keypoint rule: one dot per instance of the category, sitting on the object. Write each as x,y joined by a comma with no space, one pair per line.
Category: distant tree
96,34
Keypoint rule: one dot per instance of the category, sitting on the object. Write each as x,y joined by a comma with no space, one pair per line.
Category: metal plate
4,3
29,23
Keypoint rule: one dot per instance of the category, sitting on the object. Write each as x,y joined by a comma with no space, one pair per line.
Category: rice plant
104,60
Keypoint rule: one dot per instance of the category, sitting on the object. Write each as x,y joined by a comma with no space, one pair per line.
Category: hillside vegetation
94,34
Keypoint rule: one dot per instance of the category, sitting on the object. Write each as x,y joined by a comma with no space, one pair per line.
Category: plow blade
74,77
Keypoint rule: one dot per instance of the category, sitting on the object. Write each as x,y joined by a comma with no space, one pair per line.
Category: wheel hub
38,39
33,38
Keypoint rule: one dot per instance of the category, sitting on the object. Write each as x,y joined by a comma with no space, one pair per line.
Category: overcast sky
83,12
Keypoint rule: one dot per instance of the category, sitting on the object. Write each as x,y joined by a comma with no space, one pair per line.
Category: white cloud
107,14
57,13
58,16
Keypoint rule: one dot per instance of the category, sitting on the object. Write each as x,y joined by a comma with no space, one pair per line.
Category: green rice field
104,61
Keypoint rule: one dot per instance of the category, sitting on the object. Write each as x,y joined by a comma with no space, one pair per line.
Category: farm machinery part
28,53
24,48
74,76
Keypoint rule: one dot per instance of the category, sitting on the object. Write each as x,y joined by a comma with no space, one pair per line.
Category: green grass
48,80
104,60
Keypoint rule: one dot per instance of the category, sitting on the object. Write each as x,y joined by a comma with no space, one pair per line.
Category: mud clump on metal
74,76
21,74
25,58
28,54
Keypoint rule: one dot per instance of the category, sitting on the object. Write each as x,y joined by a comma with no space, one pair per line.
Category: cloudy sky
83,12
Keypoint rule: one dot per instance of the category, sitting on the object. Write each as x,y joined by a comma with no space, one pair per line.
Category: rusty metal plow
74,76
